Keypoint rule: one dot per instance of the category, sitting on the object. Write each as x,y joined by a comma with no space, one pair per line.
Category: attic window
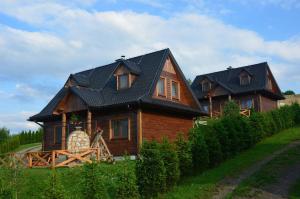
123,81
175,90
161,87
205,86
244,79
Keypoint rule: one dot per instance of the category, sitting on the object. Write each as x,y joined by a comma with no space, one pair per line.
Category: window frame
243,77
178,90
111,130
208,86
246,103
165,87
119,81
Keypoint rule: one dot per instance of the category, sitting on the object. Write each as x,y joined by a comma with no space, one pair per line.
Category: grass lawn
268,174
295,191
204,185
32,182
25,146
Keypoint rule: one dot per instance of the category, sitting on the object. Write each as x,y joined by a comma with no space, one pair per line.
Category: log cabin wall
51,141
156,125
118,146
268,104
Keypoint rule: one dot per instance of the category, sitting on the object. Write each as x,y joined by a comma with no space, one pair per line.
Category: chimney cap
229,68
121,58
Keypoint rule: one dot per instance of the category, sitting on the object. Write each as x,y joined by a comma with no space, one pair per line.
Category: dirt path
31,149
227,185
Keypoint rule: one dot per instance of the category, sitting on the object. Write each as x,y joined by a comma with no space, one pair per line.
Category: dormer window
175,90
161,87
122,81
205,86
244,79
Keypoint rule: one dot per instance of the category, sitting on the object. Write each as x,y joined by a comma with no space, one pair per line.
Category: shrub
93,186
231,109
126,184
222,135
150,171
184,153
228,123
296,112
171,163
213,145
257,127
199,149
54,189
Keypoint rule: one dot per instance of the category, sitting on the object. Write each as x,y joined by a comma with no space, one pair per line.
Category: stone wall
77,141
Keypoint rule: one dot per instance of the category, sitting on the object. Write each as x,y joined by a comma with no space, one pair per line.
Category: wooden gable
70,103
170,74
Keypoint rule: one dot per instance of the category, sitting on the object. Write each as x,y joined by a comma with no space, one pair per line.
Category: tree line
9,142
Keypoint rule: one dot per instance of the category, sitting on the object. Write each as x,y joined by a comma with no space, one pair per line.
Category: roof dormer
245,77
206,85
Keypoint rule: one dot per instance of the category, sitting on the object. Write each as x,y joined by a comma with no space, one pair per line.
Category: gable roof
97,87
229,79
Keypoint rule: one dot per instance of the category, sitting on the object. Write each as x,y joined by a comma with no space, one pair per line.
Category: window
123,81
175,90
205,108
246,104
269,84
244,79
161,87
119,128
205,86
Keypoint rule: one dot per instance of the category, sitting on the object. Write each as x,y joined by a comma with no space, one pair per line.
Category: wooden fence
51,159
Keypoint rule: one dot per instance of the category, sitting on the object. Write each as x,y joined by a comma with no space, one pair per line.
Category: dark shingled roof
97,87
229,80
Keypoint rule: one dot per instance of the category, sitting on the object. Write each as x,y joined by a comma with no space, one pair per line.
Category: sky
43,42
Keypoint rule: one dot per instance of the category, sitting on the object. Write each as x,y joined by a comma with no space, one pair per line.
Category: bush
93,186
150,171
296,112
199,149
171,163
257,126
184,153
54,189
213,145
228,123
231,109
126,184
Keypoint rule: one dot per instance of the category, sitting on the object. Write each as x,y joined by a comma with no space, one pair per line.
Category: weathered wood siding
156,125
268,104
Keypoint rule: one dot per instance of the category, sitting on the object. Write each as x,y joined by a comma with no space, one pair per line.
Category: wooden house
252,87
142,98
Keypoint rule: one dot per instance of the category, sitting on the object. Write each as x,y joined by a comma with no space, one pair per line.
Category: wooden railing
62,158
245,112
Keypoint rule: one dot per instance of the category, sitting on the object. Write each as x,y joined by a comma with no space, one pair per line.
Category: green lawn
268,174
204,185
295,191
25,146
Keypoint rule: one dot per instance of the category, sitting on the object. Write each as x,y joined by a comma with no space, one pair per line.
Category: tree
171,162
150,171
54,189
289,92
184,153
231,109
93,186
4,134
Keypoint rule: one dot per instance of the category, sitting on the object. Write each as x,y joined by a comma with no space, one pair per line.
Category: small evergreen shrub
150,171
184,153
199,149
126,184
213,145
228,123
257,126
171,163
54,190
231,109
93,186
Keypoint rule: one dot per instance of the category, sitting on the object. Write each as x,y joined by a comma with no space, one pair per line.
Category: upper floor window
269,83
175,90
123,81
205,86
246,103
161,87
244,79
120,128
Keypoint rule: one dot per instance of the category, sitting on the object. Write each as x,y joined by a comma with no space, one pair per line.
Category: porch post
89,123
63,131
229,97
210,106
139,130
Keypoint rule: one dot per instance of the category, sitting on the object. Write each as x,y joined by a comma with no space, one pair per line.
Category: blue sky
42,42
